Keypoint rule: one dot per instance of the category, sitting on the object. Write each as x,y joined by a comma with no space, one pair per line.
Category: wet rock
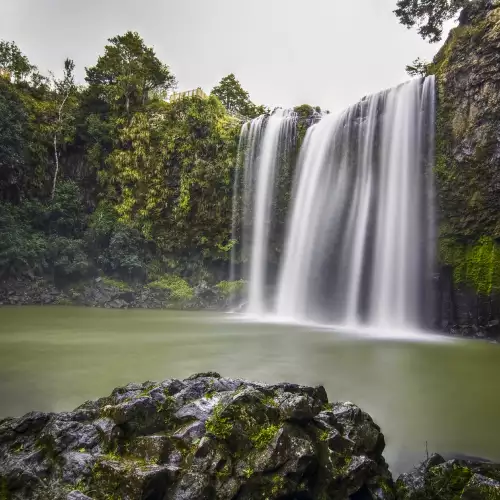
200,438
454,479
481,487
77,495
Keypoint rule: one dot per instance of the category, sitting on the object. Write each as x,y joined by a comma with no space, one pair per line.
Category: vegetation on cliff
467,173
110,177
428,15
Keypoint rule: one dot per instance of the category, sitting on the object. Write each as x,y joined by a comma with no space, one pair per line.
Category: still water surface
441,393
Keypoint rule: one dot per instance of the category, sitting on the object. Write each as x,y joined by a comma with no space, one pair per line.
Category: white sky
284,52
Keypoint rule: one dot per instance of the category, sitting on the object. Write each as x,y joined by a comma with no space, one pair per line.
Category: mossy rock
203,437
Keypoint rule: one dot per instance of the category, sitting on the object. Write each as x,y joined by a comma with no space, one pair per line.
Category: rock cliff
467,69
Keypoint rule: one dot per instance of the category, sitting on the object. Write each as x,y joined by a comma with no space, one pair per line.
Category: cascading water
361,220
264,143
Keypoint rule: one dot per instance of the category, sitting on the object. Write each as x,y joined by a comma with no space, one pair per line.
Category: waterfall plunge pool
421,389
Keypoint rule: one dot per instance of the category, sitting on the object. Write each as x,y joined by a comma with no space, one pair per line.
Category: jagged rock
437,479
77,495
205,437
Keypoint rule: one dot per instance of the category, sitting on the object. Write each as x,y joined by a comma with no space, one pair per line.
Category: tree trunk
56,157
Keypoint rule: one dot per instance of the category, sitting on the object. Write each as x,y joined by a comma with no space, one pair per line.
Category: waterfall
359,239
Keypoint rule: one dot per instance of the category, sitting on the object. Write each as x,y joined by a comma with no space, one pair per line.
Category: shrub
178,287
230,288
126,254
22,250
120,285
67,258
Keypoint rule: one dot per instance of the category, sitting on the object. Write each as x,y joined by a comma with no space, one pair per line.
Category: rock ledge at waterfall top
209,437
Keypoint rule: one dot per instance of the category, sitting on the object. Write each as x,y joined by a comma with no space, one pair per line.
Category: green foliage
14,61
13,121
66,257
178,287
126,254
477,264
217,425
128,72
64,122
418,67
264,436
120,285
230,288
65,213
22,250
447,483
235,99
428,15
109,178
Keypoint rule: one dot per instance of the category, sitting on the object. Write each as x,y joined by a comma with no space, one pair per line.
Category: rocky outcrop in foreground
205,437
437,479
209,437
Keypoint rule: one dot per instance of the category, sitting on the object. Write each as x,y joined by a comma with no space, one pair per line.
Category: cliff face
468,170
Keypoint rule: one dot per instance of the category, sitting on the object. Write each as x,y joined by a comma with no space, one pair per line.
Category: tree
13,124
65,89
14,61
418,67
236,99
429,15
128,71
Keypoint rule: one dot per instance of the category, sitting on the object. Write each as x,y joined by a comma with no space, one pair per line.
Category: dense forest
112,177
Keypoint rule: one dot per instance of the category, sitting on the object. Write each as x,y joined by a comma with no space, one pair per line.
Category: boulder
205,437
437,479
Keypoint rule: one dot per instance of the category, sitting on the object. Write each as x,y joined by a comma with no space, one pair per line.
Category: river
440,394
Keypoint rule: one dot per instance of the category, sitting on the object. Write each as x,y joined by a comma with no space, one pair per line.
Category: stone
480,487
77,495
437,479
203,437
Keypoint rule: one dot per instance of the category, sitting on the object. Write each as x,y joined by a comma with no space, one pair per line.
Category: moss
475,264
229,288
447,483
264,436
18,449
217,425
223,473
278,483
168,404
323,435
4,490
113,456
248,472
270,401
178,287
120,285
63,301
386,488
465,164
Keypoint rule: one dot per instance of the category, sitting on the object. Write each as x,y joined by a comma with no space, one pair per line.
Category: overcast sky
285,52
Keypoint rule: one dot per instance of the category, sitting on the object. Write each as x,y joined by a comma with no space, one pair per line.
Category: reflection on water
440,392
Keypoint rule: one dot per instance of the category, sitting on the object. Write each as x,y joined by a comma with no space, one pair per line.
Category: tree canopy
14,61
128,71
428,15
110,177
235,98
